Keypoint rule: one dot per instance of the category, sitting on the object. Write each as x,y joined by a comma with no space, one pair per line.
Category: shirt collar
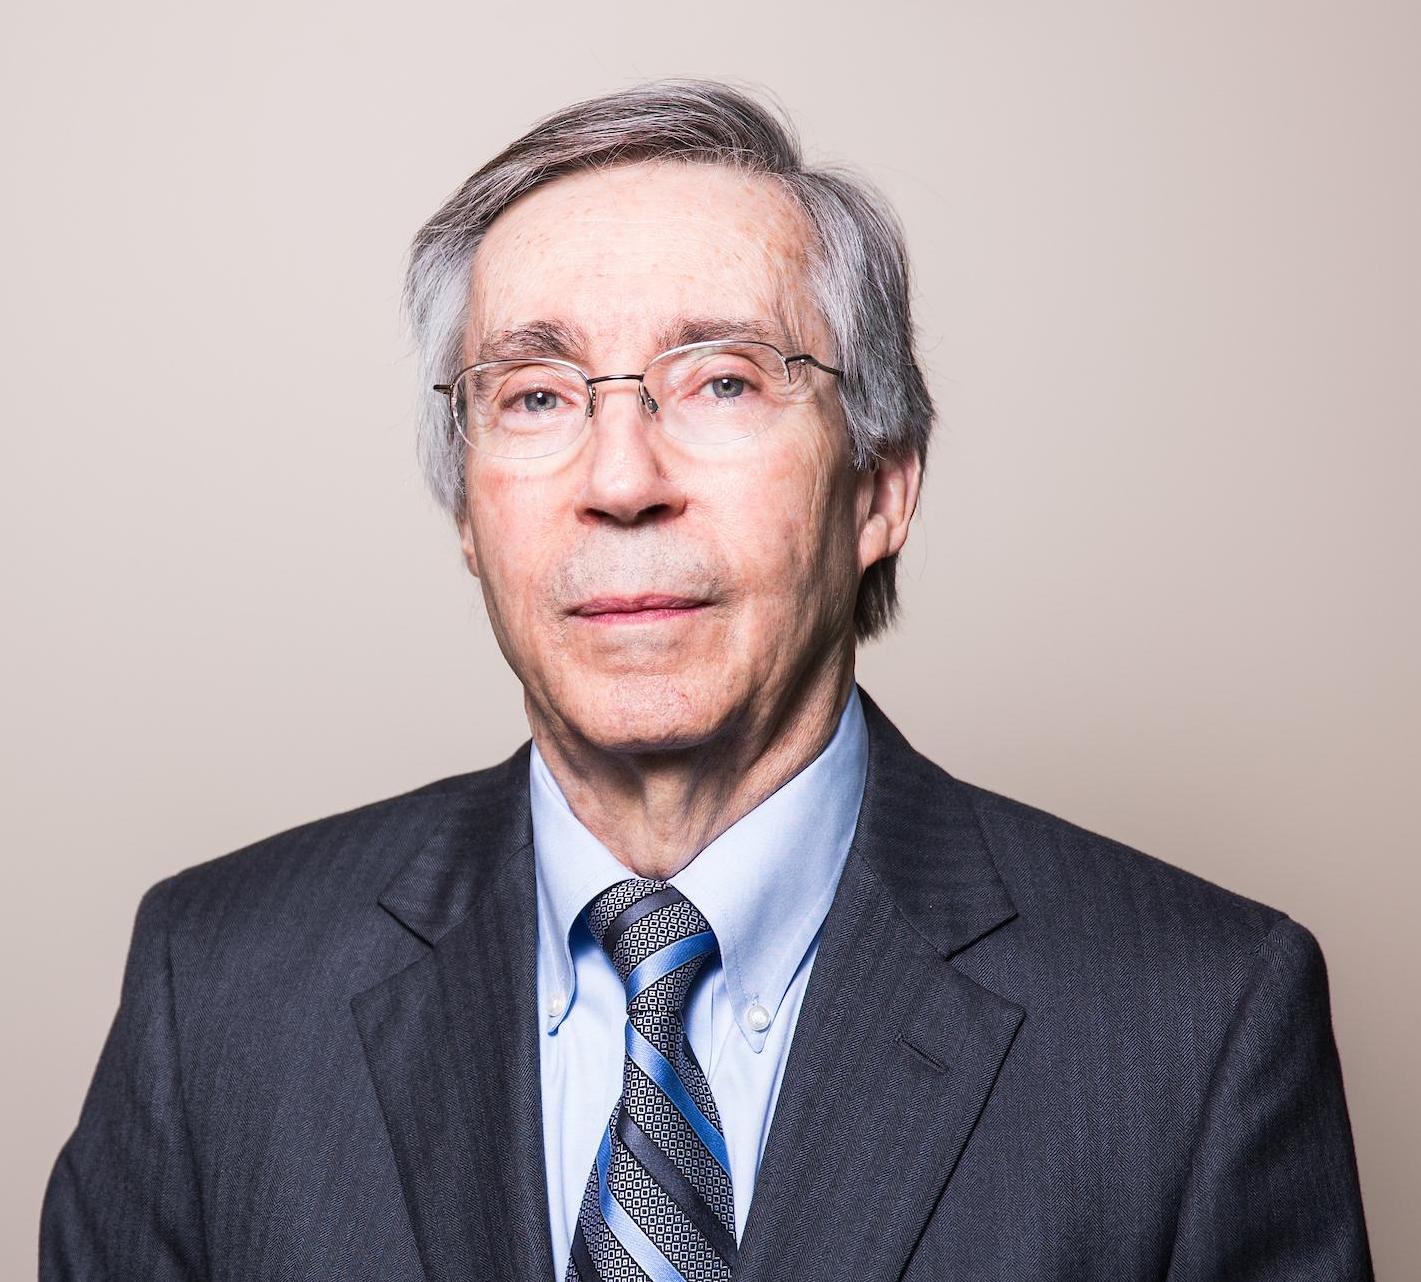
764,885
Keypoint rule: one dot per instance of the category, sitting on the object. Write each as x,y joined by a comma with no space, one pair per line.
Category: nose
626,481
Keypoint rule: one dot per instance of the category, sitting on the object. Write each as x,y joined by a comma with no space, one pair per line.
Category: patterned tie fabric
658,1203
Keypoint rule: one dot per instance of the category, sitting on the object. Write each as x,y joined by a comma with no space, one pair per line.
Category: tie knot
656,937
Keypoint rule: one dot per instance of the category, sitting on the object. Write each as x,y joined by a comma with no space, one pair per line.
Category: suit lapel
895,1050
452,1046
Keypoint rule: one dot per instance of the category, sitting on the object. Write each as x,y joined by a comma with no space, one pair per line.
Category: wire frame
590,382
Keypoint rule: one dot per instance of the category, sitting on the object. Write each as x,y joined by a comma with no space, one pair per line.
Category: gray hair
858,269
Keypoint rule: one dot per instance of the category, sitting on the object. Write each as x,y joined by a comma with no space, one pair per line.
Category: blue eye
539,400
726,387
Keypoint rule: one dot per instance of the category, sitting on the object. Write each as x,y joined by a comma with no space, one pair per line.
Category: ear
466,541
887,499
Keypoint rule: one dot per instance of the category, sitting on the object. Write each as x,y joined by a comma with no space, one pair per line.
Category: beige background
1163,580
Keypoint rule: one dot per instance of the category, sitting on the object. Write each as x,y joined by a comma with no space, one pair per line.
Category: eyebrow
536,338
705,329
566,341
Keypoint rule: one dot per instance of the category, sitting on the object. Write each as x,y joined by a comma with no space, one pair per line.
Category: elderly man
715,976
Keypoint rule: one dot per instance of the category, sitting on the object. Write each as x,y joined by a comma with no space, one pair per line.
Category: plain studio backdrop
1163,578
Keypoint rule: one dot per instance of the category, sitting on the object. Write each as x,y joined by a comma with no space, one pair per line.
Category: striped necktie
658,1202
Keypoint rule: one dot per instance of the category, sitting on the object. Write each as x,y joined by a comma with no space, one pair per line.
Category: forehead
623,255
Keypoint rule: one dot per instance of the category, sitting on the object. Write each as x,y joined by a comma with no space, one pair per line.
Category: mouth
648,607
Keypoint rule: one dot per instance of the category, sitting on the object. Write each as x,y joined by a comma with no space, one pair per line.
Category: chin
652,712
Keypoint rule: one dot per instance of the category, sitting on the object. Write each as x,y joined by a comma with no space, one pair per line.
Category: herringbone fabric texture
658,1203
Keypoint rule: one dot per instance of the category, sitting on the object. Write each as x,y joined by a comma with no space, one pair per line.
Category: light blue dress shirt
765,885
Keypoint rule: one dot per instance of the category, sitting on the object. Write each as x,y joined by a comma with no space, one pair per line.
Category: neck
657,811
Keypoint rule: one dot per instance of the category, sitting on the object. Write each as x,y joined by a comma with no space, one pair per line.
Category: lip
645,607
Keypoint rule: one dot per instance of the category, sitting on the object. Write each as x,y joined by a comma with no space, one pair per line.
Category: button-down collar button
758,1018
556,1005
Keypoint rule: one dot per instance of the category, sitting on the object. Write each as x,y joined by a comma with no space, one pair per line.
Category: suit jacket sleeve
122,1200
1272,1194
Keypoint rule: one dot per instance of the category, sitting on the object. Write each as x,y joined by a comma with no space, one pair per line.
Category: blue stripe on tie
662,963
626,1230
657,1067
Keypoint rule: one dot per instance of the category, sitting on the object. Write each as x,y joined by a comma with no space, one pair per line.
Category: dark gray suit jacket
1025,1052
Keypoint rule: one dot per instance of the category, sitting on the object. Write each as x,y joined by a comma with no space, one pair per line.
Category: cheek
510,538
787,523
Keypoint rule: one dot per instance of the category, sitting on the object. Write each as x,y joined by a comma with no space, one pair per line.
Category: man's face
760,536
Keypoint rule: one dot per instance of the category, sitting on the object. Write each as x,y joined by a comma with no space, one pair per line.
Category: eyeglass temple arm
818,364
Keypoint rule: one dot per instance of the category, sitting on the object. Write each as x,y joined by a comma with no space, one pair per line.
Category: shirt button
758,1018
555,1005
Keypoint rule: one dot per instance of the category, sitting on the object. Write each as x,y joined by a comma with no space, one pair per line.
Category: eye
538,400
727,386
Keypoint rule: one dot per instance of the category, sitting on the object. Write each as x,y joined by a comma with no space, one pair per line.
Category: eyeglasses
702,393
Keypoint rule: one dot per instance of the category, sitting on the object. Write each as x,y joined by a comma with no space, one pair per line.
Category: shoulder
1107,937
358,844
1081,898
323,868
1081,890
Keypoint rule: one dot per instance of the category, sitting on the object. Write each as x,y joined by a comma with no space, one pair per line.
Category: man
716,976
